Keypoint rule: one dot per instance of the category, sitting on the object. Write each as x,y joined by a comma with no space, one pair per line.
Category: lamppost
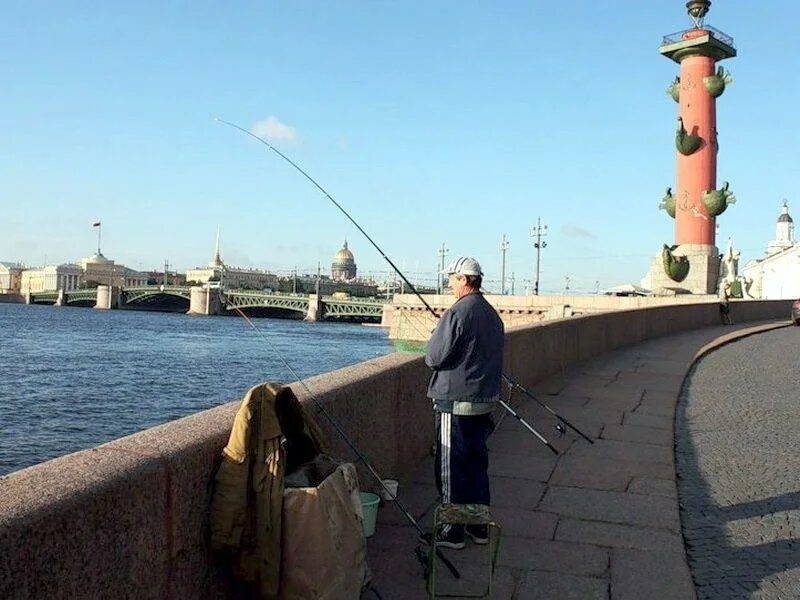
442,253
504,246
537,233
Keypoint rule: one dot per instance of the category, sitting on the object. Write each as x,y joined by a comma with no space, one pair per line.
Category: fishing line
396,269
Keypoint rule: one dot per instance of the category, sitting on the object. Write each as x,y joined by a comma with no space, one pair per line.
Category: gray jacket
466,352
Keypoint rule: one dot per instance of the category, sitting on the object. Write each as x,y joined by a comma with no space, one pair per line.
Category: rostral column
692,263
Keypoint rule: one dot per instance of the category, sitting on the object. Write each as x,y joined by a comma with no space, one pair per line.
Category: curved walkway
739,466
598,521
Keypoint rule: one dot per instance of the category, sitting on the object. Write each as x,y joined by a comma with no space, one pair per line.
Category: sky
430,122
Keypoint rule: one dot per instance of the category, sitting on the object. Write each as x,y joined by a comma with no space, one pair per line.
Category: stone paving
739,469
598,521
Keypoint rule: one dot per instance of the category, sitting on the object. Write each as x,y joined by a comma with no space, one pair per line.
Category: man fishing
466,355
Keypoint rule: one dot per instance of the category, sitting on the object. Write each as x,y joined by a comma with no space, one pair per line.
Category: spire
217,260
345,243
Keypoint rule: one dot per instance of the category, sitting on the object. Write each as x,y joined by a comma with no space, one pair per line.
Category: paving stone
418,499
599,473
638,574
516,493
657,406
612,507
525,523
538,585
520,466
633,433
623,450
547,555
653,487
646,420
618,536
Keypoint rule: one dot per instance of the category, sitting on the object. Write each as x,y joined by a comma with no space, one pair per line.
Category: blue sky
431,122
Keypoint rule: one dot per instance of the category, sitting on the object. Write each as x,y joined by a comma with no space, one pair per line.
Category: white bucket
389,490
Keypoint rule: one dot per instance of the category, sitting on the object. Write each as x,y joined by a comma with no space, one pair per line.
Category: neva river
73,378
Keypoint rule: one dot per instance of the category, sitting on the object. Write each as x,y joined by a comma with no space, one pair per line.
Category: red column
697,173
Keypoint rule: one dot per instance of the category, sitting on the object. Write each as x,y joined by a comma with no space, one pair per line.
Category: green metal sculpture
668,203
674,89
676,267
715,84
716,201
685,142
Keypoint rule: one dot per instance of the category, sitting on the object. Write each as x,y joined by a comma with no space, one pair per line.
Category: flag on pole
96,224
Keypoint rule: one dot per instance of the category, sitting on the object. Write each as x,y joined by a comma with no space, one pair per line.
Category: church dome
344,256
344,265
98,259
784,217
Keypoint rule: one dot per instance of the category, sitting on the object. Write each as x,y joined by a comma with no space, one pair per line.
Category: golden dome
344,255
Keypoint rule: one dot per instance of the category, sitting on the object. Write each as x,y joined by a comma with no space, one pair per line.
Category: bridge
159,297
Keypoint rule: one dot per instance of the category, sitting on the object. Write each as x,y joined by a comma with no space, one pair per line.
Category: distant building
54,277
99,270
173,278
777,276
10,277
343,267
231,277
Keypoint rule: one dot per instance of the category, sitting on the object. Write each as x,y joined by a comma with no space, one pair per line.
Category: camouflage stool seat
464,514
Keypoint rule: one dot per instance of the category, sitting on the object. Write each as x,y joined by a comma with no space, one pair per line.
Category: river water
73,378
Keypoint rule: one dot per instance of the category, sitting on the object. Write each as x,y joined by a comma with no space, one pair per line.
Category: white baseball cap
464,265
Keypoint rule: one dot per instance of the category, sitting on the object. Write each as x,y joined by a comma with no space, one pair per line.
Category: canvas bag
323,548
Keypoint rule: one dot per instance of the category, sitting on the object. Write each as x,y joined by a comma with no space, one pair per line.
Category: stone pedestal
314,308
107,297
703,272
204,301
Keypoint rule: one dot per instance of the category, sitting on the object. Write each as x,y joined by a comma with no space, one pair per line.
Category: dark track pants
462,459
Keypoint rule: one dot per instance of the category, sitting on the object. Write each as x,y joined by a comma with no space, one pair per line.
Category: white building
10,277
777,276
54,277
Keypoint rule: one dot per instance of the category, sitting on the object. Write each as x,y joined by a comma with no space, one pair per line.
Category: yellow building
231,277
98,269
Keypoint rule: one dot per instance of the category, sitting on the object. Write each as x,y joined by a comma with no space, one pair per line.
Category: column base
703,272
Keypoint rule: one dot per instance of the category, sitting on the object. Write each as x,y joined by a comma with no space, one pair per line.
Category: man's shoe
451,536
478,533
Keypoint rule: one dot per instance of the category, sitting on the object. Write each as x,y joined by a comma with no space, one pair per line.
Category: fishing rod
364,233
514,384
320,408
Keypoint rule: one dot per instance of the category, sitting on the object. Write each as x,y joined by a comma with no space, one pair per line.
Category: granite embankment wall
128,518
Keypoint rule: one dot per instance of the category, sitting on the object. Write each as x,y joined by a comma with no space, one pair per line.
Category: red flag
96,224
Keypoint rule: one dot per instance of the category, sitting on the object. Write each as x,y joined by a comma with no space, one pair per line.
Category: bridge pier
62,299
204,301
107,297
315,311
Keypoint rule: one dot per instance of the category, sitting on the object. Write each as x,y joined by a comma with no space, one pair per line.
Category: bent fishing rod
411,286
321,409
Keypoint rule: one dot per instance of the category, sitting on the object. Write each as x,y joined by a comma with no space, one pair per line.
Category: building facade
777,276
231,277
10,277
99,270
54,277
